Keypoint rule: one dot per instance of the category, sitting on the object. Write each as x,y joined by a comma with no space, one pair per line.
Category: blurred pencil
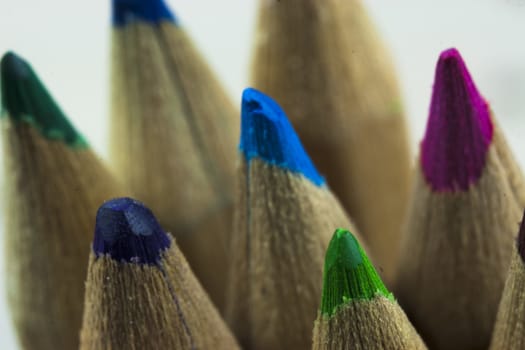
466,201
510,321
140,291
283,210
53,184
171,117
357,310
324,63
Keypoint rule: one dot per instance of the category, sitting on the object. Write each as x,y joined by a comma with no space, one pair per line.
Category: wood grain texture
324,64
456,253
510,322
378,324
283,224
52,193
132,306
174,140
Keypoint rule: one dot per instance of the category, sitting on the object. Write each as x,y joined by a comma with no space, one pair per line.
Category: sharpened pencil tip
152,11
25,99
13,64
128,231
348,274
459,129
267,134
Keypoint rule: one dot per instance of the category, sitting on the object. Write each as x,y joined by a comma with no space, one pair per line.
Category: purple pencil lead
459,129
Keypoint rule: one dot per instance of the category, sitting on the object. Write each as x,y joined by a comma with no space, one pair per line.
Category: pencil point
459,129
348,274
267,134
128,231
152,11
25,99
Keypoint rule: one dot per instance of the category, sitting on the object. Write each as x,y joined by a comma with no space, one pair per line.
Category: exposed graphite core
126,230
25,99
459,129
348,274
152,11
267,134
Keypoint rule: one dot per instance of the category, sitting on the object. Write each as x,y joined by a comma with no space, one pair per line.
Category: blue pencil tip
128,231
152,11
267,134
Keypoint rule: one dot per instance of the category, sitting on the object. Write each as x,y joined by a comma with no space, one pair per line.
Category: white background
67,42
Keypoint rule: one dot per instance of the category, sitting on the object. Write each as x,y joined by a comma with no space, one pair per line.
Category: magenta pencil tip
459,129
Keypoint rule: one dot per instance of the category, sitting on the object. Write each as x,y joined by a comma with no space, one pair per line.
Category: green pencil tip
25,99
348,274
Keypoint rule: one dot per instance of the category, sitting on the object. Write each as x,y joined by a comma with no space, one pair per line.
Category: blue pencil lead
152,11
126,230
267,134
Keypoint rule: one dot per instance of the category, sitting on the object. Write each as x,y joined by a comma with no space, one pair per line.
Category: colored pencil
467,199
510,320
53,185
324,63
283,211
357,310
140,291
171,117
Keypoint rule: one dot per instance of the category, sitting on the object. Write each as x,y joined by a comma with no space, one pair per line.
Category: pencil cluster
293,239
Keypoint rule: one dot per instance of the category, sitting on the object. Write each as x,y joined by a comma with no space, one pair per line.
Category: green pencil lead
348,274
25,99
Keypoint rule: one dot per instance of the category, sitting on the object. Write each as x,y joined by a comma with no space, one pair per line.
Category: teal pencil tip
25,99
348,274
14,65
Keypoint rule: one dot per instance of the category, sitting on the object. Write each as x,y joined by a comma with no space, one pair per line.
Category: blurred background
67,43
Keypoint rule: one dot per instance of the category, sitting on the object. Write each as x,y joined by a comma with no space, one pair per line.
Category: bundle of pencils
255,222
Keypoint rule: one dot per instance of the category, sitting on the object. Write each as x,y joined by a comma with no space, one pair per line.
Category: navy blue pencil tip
151,11
127,230
267,134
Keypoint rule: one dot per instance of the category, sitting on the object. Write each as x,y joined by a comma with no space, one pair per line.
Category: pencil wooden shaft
323,62
508,329
52,194
130,306
282,229
172,117
361,325
456,256
509,163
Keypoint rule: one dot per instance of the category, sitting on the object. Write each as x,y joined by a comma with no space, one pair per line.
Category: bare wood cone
52,192
174,138
508,329
283,224
324,63
456,254
378,324
132,306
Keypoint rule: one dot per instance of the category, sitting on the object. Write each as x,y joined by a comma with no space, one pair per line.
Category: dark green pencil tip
25,99
348,274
